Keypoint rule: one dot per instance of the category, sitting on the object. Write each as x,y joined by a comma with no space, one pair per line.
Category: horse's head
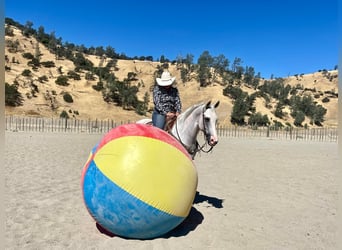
208,125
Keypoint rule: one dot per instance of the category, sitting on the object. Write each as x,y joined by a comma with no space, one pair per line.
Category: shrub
26,72
28,55
64,114
98,86
9,31
34,62
288,124
62,80
43,78
13,46
325,99
68,98
74,75
89,76
59,69
12,96
48,64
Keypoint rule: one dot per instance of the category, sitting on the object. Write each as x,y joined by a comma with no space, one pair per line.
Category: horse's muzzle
212,141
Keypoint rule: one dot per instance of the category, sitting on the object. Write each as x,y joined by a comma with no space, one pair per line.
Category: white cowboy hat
165,79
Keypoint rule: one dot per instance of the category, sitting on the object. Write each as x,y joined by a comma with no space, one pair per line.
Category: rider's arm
178,103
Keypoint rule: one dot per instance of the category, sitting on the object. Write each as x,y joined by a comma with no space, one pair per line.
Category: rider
167,103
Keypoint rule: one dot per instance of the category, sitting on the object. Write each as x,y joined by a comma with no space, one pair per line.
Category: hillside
46,98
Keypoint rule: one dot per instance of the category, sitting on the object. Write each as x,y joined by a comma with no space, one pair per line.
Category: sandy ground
252,194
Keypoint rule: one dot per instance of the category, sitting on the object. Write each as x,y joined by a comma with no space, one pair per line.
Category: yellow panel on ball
152,170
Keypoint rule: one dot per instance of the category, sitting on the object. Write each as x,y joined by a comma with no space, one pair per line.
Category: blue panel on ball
120,212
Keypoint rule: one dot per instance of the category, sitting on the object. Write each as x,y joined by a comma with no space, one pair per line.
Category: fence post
66,124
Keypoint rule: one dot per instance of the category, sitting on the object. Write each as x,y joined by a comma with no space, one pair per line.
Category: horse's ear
216,104
207,106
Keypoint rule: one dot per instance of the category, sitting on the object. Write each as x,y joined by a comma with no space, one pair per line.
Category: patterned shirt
166,100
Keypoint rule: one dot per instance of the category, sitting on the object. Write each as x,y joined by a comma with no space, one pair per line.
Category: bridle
206,134
198,147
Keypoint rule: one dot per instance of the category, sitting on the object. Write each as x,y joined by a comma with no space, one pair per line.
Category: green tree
99,51
276,89
162,59
279,110
129,97
318,115
249,75
42,37
239,111
256,80
110,52
299,117
204,62
37,53
249,100
27,29
12,96
234,92
236,63
189,61
220,65
184,74
150,58
52,45
257,119
82,63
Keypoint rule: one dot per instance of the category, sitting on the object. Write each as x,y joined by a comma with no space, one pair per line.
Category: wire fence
40,124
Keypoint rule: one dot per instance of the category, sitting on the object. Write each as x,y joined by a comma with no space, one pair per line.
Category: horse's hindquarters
145,121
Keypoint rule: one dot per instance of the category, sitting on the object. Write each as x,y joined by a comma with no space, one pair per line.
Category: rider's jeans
158,120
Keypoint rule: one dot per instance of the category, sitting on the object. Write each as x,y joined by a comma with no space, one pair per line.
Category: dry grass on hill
89,103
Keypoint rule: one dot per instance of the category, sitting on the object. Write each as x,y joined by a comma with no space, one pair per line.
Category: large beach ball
139,182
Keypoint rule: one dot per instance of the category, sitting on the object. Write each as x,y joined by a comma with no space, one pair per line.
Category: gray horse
199,117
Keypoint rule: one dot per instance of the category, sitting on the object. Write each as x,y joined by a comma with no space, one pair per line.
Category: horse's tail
145,121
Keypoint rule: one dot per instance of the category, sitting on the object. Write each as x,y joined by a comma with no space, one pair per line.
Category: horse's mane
188,111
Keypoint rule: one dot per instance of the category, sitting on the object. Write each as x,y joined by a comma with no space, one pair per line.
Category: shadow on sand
195,217
189,224
215,202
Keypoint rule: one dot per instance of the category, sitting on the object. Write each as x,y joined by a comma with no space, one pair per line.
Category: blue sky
275,37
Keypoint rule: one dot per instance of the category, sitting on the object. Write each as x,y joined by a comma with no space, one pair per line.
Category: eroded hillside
43,97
